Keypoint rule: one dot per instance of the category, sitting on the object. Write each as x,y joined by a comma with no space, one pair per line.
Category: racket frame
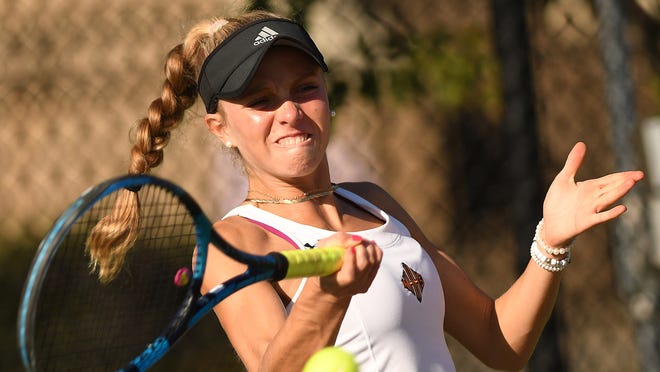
273,266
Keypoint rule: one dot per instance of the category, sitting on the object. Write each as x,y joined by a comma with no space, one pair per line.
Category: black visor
228,70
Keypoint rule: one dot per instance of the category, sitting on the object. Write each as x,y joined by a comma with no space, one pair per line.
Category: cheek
318,110
248,127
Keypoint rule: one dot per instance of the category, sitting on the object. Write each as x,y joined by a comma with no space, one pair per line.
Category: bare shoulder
385,201
247,236
241,234
371,192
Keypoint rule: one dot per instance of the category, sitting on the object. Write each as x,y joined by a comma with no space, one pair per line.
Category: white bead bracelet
552,264
547,263
553,251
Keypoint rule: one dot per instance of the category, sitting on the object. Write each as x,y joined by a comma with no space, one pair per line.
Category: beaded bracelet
553,251
550,264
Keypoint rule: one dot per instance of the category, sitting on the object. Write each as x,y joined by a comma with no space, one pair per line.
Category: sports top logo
265,35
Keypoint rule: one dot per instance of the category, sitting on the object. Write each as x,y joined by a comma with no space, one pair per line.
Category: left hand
571,207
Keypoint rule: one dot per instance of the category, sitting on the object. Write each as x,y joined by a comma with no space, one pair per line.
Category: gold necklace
298,199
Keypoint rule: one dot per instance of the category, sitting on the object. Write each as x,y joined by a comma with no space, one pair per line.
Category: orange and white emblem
412,281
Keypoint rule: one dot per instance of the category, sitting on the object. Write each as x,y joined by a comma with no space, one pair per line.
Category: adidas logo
265,35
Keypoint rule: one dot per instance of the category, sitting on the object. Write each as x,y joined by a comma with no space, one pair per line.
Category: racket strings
109,323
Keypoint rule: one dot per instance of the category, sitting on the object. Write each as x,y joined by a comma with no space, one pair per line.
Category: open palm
571,207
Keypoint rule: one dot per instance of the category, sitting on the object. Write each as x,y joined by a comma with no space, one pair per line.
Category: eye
308,88
258,102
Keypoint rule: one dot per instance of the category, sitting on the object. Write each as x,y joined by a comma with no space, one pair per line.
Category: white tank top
397,325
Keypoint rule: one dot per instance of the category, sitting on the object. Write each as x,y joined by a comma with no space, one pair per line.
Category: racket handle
313,262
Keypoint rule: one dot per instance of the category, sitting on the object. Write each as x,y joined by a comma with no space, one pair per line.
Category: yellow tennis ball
331,359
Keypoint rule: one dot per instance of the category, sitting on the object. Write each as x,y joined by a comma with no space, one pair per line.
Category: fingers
609,214
361,262
615,179
607,199
612,188
367,258
604,193
362,250
364,255
574,160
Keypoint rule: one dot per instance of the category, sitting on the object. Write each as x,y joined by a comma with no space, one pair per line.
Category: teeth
293,140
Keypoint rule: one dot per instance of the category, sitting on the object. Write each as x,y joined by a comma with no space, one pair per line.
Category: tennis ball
331,359
182,277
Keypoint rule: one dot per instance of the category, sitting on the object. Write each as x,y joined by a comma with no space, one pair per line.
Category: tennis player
261,79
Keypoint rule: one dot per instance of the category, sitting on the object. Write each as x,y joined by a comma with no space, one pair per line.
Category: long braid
164,113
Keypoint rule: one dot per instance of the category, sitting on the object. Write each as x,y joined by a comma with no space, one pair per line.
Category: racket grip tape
313,262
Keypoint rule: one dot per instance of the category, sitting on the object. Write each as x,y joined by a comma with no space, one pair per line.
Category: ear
215,123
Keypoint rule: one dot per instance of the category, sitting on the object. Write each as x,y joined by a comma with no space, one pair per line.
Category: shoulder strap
273,230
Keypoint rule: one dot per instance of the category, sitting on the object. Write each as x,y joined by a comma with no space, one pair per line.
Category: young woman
261,79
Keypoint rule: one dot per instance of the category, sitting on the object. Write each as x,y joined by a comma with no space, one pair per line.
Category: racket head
68,319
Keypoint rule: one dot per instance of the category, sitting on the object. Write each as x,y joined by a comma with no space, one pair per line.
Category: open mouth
294,140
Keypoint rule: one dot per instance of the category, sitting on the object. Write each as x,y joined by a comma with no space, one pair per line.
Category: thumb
574,160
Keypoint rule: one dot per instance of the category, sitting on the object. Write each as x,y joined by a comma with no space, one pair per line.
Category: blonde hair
113,236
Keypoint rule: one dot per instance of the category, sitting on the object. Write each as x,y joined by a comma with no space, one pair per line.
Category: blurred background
463,109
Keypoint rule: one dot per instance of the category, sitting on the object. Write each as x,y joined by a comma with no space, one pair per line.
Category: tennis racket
70,319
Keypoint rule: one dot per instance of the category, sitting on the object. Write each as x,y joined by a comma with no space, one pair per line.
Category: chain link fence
417,93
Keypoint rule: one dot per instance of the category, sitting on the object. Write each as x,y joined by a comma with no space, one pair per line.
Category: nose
288,112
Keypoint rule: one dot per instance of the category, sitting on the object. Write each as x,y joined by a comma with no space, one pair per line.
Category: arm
254,318
503,332
569,209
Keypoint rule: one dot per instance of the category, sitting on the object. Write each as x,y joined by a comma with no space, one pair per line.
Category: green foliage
455,70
